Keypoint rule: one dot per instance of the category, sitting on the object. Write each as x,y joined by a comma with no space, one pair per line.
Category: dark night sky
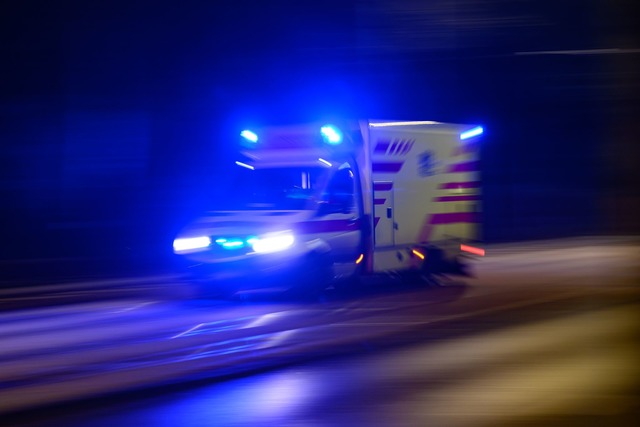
115,111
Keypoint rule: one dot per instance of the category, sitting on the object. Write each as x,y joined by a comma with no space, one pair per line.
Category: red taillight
360,258
472,250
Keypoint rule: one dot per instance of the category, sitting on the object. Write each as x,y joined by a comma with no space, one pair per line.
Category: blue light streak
471,133
244,165
249,136
233,244
331,134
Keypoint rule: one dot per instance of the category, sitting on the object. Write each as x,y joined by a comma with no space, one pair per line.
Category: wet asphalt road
547,334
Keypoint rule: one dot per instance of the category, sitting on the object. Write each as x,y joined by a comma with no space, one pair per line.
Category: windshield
281,188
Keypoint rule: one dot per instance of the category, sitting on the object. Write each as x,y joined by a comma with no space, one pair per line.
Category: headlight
272,242
190,244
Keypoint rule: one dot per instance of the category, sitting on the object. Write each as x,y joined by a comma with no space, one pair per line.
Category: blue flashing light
244,165
331,134
230,243
249,136
233,244
471,133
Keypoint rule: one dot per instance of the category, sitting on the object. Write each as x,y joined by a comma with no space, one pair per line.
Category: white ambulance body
315,205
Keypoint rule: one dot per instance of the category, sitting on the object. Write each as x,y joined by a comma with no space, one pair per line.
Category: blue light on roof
471,133
244,165
331,134
249,136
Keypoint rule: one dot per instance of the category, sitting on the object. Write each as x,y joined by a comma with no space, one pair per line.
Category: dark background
118,116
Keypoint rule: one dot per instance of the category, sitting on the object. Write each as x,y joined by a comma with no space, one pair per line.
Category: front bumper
248,271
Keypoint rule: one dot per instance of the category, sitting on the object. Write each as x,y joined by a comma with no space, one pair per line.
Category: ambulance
330,204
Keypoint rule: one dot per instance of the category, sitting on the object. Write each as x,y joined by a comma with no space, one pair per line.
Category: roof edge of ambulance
429,125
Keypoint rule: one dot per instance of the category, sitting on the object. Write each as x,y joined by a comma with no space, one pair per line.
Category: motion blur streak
472,250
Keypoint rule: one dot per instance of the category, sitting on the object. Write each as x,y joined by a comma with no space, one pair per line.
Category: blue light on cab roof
331,134
249,136
244,165
471,133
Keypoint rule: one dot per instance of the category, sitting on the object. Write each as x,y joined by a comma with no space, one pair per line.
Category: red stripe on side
379,201
381,147
464,167
375,221
454,217
391,167
456,198
398,147
327,226
382,186
408,148
444,218
456,185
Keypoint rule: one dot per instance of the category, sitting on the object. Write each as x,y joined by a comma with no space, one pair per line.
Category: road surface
547,334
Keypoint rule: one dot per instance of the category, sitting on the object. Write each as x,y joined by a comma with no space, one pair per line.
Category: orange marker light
472,250
360,258
418,254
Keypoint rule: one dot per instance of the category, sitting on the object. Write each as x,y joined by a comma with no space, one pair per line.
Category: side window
339,194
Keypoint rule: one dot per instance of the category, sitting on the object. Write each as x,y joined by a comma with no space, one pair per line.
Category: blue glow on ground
471,133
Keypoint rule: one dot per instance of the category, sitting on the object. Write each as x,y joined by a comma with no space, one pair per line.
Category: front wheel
314,277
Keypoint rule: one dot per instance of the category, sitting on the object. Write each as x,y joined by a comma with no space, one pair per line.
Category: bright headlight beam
191,243
273,242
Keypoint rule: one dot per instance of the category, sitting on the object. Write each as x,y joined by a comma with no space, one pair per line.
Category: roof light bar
416,123
471,133
331,134
249,136
244,165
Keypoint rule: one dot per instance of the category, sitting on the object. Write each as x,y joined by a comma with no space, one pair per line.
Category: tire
350,284
314,277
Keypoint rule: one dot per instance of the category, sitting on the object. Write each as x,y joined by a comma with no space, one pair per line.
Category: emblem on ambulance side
427,164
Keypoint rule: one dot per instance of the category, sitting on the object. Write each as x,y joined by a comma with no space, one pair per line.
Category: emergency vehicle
320,204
